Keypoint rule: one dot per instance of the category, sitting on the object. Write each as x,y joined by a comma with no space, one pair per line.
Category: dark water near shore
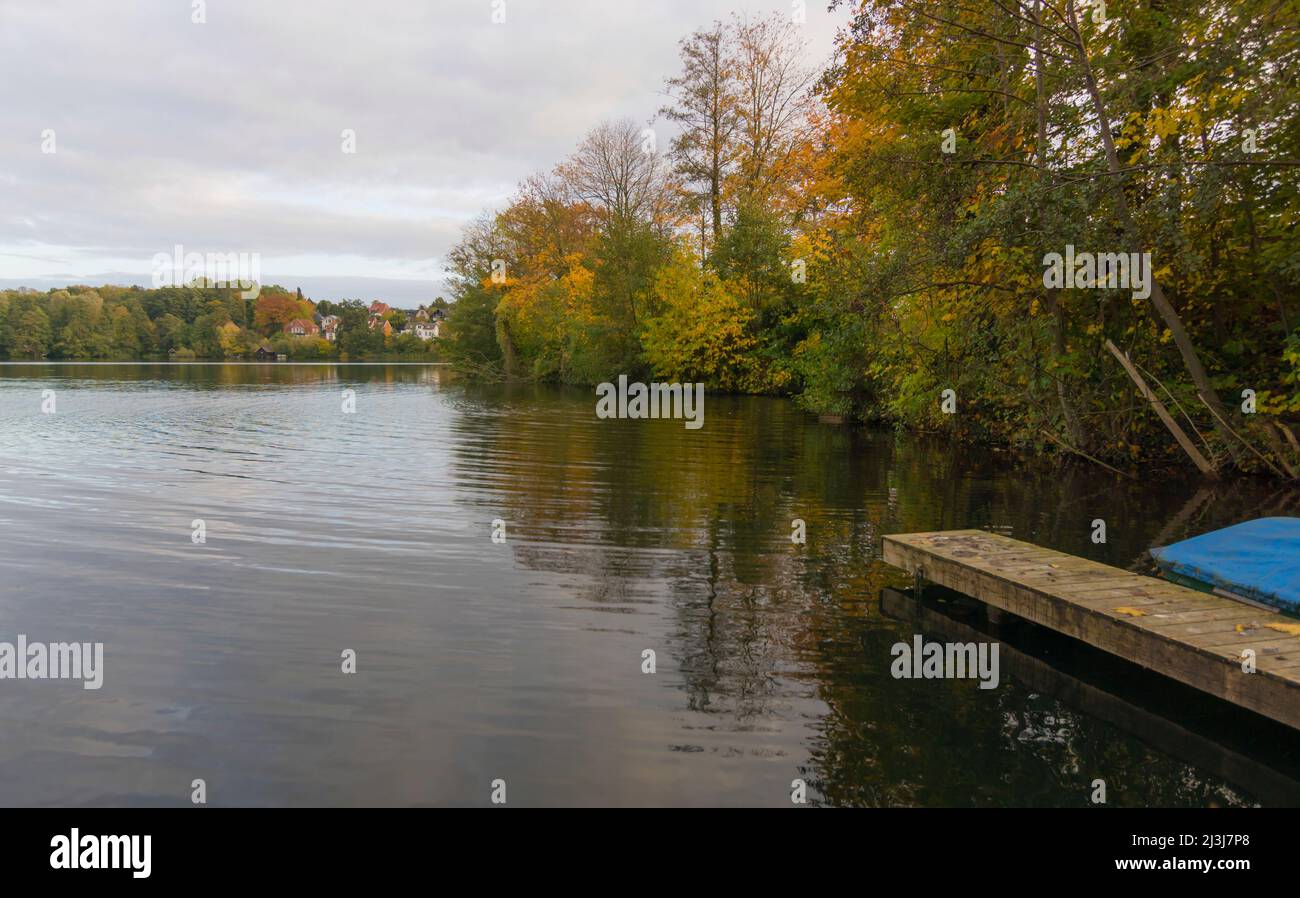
522,661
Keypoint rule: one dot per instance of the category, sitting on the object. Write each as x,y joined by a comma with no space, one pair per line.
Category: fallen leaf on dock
1131,612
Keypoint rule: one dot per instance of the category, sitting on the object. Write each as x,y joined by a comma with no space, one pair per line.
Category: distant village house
429,323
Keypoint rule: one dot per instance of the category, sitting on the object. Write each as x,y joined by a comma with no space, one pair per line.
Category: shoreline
207,362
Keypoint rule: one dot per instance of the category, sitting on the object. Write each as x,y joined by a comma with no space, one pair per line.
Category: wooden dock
1196,638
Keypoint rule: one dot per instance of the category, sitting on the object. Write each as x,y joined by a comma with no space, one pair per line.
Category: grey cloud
226,136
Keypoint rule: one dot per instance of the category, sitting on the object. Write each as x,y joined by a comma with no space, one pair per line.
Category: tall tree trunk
715,196
1164,311
1051,299
510,356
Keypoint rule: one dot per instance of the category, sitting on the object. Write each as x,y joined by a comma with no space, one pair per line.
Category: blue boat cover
1257,559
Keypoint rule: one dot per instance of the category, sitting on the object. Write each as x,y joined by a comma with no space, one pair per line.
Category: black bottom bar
335,848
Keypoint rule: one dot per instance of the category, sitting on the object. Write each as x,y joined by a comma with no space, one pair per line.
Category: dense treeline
870,236
194,322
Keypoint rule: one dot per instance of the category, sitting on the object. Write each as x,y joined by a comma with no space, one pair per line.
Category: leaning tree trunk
1164,311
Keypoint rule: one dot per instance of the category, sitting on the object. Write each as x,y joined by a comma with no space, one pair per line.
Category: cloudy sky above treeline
226,136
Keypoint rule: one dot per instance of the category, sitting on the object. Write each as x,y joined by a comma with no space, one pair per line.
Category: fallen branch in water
1262,457
1273,437
1188,446
1080,452
1290,436
1205,444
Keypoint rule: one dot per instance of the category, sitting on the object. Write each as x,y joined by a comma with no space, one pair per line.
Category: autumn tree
706,108
626,183
274,310
774,103
473,341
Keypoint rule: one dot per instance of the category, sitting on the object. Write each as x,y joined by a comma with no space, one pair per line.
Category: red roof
301,324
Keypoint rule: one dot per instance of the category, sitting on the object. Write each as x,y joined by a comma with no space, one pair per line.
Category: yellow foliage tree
700,329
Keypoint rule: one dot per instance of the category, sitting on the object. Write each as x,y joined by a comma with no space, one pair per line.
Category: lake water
522,660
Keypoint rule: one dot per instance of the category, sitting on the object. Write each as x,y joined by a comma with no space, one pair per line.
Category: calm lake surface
522,661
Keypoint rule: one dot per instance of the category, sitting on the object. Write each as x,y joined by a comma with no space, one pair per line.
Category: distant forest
196,322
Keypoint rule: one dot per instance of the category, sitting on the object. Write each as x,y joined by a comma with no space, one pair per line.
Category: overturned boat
1255,561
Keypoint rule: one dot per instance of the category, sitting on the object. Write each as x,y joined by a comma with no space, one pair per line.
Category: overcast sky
226,136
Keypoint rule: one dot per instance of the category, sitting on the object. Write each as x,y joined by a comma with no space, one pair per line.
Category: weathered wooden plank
1204,632
1181,612
1283,659
1193,637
